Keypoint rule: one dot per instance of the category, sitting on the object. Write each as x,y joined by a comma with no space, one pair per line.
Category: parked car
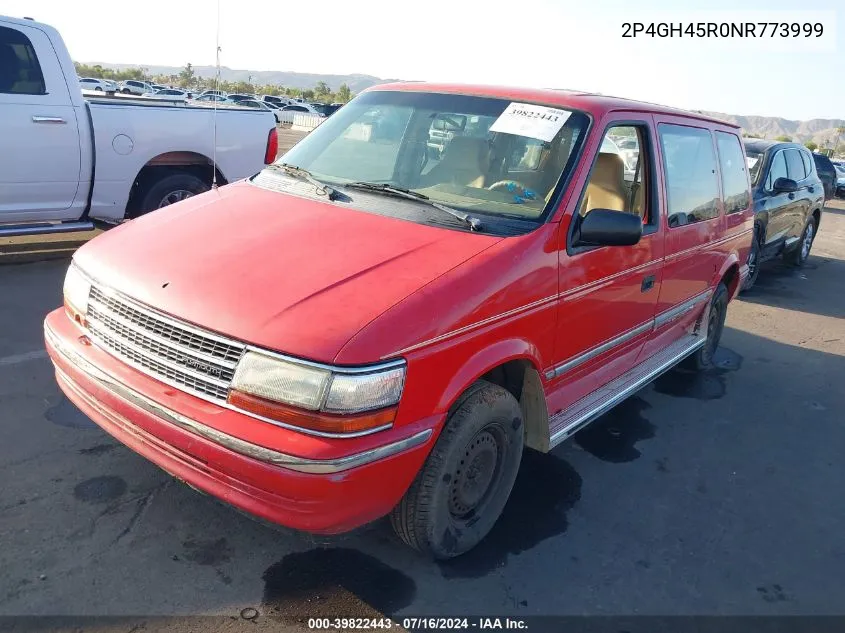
210,98
147,154
291,347
289,112
132,86
826,173
238,97
274,100
97,85
169,94
840,181
788,199
217,93
325,109
259,105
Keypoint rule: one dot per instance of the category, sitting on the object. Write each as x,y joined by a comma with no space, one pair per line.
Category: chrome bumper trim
260,453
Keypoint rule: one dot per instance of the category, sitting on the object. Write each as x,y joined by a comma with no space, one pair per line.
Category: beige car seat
606,188
465,162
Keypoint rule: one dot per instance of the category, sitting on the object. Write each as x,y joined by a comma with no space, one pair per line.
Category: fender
483,361
733,278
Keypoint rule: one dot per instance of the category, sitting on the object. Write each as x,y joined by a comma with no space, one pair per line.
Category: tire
126,91
98,89
175,187
464,484
753,259
799,255
703,357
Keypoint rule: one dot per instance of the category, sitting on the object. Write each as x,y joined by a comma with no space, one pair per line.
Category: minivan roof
762,144
595,104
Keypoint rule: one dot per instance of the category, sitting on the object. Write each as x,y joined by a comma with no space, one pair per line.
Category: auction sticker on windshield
534,121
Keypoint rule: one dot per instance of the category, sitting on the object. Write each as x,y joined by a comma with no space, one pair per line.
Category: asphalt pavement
704,494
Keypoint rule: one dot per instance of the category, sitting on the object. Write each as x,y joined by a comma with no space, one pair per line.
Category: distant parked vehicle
97,85
287,113
239,97
209,98
259,105
840,180
169,94
788,198
272,99
325,109
135,87
216,93
827,173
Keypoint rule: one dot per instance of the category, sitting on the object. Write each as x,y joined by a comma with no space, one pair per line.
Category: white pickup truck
68,160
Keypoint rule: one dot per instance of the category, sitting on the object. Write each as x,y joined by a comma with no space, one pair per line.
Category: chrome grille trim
178,332
183,356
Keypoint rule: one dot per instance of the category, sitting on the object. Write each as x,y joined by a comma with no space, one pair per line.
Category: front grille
184,356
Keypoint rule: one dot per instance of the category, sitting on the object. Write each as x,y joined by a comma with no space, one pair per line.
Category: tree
308,95
322,90
810,145
344,94
186,76
784,139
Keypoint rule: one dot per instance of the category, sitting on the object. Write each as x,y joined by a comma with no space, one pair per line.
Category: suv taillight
272,146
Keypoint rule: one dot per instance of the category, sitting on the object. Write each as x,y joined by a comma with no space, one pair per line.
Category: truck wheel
126,91
801,253
753,261
170,189
464,484
703,356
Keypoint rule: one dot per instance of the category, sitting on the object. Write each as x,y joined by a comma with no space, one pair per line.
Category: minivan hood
279,271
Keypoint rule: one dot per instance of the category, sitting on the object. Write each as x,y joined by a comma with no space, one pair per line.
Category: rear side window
734,173
777,170
794,165
689,162
808,163
20,72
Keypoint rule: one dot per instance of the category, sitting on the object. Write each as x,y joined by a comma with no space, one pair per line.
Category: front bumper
326,492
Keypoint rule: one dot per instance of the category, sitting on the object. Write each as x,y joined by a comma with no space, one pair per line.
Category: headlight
76,289
316,398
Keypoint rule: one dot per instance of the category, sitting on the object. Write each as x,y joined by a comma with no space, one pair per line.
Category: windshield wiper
304,174
473,223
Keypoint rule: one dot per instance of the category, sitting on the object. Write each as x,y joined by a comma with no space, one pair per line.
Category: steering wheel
520,192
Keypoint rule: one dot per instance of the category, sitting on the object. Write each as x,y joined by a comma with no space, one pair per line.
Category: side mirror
603,227
785,185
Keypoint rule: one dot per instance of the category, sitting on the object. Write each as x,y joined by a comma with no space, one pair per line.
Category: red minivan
435,279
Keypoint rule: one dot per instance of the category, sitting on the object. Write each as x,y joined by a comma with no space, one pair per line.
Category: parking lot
703,494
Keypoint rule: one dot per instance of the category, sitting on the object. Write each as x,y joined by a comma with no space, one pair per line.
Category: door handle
811,189
648,283
792,196
48,119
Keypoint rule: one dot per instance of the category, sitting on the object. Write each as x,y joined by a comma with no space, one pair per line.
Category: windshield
753,159
478,154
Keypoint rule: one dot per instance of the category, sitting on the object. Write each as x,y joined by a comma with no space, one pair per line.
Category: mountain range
820,131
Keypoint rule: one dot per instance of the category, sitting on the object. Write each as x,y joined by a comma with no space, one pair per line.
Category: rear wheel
464,484
126,91
98,89
799,255
171,189
715,324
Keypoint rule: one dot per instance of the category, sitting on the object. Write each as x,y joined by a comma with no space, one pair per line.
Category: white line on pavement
23,358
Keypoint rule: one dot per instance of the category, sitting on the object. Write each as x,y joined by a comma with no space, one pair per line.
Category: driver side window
619,177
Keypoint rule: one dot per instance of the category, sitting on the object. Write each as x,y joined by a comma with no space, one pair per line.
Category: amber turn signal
312,420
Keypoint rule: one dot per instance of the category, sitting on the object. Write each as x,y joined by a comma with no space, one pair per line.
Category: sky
575,44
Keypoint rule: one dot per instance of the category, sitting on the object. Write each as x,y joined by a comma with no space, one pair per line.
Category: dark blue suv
788,200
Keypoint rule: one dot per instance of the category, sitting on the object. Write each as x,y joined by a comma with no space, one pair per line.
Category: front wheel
800,255
715,323
753,262
464,484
